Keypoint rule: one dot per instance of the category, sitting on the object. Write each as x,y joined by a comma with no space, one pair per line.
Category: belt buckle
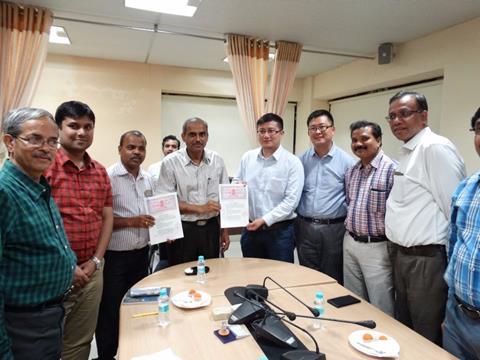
201,222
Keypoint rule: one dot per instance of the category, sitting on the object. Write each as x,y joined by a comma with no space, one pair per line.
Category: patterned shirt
81,195
128,201
274,184
194,184
463,271
367,189
323,195
36,261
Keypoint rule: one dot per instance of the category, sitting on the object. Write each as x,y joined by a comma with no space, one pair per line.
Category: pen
145,314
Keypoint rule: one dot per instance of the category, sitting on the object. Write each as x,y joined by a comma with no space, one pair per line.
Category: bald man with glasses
417,215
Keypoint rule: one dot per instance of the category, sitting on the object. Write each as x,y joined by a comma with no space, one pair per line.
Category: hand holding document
234,205
168,224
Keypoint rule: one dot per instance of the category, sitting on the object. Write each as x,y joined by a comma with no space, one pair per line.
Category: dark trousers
275,244
320,247
36,335
122,270
420,291
197,240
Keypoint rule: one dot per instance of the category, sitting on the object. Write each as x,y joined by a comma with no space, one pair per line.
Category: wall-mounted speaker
385,53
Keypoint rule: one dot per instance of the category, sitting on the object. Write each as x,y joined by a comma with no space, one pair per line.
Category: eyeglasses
402,114
38,141
475,130
268,131
321,128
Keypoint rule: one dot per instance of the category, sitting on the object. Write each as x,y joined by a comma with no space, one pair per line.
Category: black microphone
292,316
253,294
247,312
312,309
271,329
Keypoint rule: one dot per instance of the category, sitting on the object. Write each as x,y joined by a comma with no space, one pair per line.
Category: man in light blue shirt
275,180
322,210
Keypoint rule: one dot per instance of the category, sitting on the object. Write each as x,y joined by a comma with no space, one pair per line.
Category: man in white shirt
275,181
418,211
126,258
170,144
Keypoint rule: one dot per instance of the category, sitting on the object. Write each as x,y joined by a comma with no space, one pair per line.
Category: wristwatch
97,262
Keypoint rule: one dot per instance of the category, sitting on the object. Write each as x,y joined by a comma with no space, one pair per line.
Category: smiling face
321,131
132,152
169,147
405,127
364,144
33,160
269,136
195,137
76,135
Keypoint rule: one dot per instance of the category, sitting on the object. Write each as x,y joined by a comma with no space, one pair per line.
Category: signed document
234,205
168,223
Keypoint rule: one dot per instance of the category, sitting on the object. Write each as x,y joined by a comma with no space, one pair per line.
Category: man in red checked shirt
82,191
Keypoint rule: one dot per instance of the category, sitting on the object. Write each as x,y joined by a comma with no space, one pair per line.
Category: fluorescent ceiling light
174,7
58,35
271,57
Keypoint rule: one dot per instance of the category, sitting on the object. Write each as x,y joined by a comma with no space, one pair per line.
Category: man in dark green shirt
36,261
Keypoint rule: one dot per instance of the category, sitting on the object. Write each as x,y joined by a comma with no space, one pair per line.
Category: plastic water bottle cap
319,295
163,291
201,258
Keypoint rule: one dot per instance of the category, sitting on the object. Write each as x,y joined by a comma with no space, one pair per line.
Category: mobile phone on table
342,301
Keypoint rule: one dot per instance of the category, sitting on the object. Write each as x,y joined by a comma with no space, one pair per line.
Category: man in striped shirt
126,258
36,261
461,332
366,265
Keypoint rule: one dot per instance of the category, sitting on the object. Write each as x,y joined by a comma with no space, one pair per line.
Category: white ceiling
345,26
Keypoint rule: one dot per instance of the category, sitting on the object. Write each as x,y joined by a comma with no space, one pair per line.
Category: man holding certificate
275,181
195,173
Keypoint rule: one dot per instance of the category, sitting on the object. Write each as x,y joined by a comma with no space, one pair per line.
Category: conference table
190,334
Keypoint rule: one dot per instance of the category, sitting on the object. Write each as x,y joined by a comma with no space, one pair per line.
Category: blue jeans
461,334
276,244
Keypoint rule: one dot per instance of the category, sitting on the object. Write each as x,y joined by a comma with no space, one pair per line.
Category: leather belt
421,250
468,310
323,221
200,223
367,238
275,226
39,307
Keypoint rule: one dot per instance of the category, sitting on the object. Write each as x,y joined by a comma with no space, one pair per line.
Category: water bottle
163,308
201,276
319,304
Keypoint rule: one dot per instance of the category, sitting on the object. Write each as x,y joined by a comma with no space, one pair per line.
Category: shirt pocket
377,199
276,185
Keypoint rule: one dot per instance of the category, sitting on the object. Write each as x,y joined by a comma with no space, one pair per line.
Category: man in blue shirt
322,210
461,333
275,180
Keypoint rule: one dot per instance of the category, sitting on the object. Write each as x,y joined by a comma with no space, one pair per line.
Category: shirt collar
34,189
417,139
120,170
331,153
187,160
276,155
63,159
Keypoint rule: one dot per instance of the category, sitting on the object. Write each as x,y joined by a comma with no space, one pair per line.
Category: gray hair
193,120
12,124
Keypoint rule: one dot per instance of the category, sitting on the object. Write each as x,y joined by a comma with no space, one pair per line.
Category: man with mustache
126,258
82,191
194,173
36,261
322,209
367,270
418,210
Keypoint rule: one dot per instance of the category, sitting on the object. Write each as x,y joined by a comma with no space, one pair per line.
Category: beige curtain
287,57
23,48
248,60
